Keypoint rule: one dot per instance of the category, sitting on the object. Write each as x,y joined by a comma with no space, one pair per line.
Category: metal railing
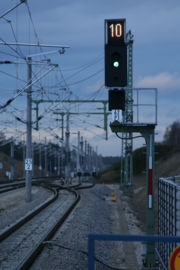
168,213
128,238
145,105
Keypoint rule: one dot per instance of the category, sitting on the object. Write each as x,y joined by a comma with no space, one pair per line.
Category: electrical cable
14,35
21,56
12,76
87,78
131,138
36,35
92,95
33,25
94,61
96,93
10,54
14,50
53,243
64,80
14,7
23,89
19,79
67,86
48,110
80,70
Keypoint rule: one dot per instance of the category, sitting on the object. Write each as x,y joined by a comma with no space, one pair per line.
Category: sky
80,25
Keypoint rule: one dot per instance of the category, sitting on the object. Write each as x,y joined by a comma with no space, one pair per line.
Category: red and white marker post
150,173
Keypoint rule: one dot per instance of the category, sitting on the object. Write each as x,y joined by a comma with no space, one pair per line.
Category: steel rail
15,226
54,188
28,261
12,187
86,186
32,255
6,186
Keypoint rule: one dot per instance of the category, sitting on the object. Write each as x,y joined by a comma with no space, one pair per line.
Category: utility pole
78,166
67,150
45,160
33,153
93,162
97,170
58,163
50,160
62,160
88,159
28,161
54,161
62,126
24,156
85,159
40,159
12,159
82,155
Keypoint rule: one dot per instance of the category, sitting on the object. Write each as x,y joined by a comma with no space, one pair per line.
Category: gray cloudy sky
155,25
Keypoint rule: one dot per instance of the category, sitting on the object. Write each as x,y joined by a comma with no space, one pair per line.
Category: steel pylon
126,177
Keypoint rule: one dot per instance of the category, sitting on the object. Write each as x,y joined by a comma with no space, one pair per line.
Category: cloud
95,87
163,80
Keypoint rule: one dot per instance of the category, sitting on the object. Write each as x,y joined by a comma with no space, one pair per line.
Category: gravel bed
16,246
13,205
95,213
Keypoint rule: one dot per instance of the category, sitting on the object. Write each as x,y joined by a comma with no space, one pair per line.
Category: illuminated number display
115,31
115,53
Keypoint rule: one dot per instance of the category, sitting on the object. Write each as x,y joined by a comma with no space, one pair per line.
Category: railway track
22,242
15,226
11,186
6,186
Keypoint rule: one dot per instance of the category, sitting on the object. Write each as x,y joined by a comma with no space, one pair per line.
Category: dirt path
125,222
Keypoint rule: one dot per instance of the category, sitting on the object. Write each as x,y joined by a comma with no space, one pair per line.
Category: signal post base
147,131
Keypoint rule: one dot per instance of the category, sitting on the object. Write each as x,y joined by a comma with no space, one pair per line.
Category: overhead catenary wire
124,138
80,69
86,65
14,50
19,55
62,81
92,95
9,54
12,8
23,89
34,29
14,35
86,78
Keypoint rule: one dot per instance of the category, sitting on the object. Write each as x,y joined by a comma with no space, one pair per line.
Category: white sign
28,164
117,115
8,174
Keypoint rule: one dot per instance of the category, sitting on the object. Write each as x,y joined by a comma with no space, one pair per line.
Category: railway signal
117,99
115,53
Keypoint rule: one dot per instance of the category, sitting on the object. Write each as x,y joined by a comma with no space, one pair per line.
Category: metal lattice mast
127,142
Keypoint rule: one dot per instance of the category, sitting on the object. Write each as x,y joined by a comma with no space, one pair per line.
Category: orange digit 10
116,30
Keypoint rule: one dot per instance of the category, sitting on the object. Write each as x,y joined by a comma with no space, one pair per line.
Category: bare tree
172,134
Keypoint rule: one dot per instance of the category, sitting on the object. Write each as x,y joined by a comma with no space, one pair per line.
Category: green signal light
116,64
